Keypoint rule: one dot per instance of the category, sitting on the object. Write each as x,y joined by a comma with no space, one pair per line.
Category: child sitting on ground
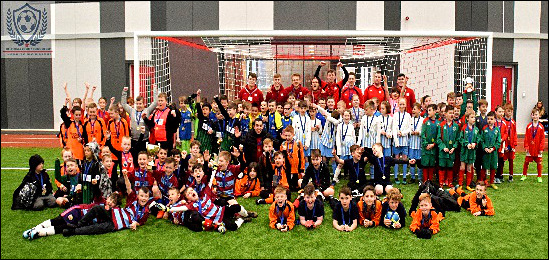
425,221
248,185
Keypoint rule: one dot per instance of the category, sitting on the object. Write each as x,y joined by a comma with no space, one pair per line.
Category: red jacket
316,95
299,93
503,129
534,145
410,97
511,140
253,96
371,92
277,95
347,93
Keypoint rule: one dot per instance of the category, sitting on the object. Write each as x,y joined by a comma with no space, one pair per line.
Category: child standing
281,212
425,221
205,133
469,139
447,142
302,132
401,129
429,137
74,133
367,133
414,150
502,125
315,126
89,179
385,128
295,155
393,101
229,126
356,113
345,138
490,143
328,136
185,127
534,143
511,142
481,123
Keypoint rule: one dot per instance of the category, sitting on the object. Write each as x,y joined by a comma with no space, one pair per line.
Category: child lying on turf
425,221
369,208
477,201
345,211
311,209
68,217
281,213
393,213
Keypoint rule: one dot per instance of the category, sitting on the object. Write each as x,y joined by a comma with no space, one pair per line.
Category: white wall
75,61
246,15
527,16
428,16
526,54
137,18
370,15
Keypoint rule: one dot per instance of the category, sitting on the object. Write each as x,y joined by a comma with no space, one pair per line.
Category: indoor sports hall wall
100,47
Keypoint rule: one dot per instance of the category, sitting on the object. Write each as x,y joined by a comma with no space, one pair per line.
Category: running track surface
51,141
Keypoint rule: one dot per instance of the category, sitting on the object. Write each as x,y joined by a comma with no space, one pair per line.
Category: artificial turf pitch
519,229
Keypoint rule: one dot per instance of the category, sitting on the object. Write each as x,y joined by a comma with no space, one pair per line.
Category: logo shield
27,21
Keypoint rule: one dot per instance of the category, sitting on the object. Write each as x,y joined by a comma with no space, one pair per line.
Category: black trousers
292,181
193,220
228,216
499,171
104,222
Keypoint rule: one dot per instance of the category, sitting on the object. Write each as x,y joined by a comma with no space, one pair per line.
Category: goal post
436,62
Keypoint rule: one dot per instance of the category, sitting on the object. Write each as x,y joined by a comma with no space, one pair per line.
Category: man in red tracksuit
349,90
277,90
299,91
330,87
251,92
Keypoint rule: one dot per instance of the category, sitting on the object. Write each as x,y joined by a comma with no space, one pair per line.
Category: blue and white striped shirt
302,133
315,135
415,140
367,134
356,114
402,123
385,125
345,137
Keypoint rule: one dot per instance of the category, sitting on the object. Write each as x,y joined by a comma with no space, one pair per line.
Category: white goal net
435,64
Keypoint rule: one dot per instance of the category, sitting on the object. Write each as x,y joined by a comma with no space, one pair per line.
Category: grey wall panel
179,16
543,77
205,15
479,16
158,15
187,77
289,15
392,12
342,15
41,94
509,7
543,24
463,21
17,93
3,94
112,16
495,16
113,71
502,50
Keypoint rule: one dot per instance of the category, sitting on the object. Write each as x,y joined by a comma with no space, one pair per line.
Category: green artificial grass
519,229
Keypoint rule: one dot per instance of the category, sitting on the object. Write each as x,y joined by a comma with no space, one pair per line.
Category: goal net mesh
434,65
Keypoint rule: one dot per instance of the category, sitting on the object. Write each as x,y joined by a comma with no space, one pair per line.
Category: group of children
210,154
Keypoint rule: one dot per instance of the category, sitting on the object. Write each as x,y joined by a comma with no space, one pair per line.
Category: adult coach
251,92
376,90
253,142
277,90
330,87
299,91
350,90
406,92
